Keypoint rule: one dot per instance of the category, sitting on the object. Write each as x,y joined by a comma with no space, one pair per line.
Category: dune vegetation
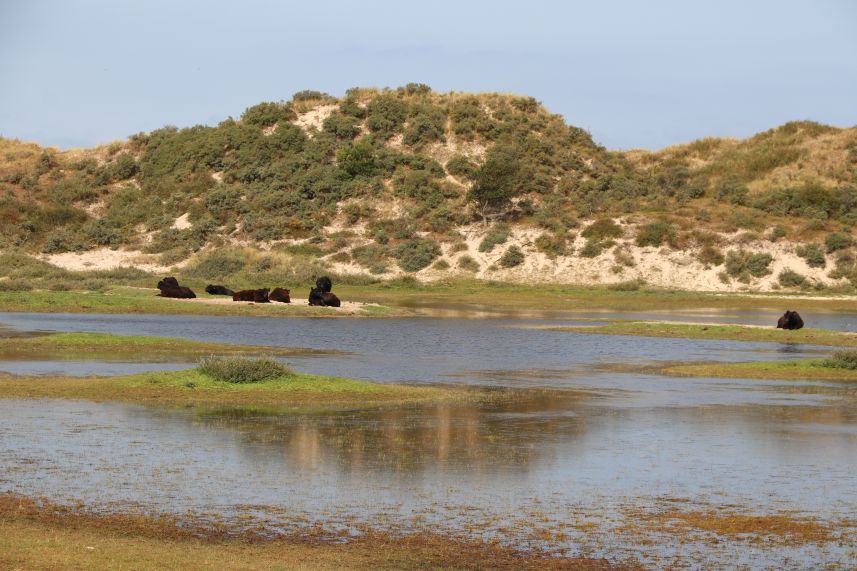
385,184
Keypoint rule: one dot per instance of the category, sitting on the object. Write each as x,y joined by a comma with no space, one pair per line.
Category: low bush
498,234
813,255
594,248
777,232
242,370
837,241
790,278
710,256
552,245
629,285
655,234
512,257
742,265
602,229
468,264
416,254
841,360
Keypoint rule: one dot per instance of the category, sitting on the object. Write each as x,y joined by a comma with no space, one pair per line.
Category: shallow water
508,352
572,462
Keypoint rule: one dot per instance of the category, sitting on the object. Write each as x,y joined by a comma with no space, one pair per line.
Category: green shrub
746,219
841,360
552,244
300,249
341,126
777,232
594,248
789,278
416,254
512,257
441,265
710,256
497,234
629,285
426,125
310,95
357,159
371,257
267,114
386,115
241,370
467,263
655,234
742,265
461,167
813,255
63,240
602,229
837,241
218,264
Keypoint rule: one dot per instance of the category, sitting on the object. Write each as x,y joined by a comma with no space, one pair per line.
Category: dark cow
257,295
330,299
170,288
168,282
280,294
218,290
324,284
316,297
790,320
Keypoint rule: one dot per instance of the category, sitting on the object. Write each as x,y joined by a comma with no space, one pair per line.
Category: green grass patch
723,332
191,387
97,345
801,369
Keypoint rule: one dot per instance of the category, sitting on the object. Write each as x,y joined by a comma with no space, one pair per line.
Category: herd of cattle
319,295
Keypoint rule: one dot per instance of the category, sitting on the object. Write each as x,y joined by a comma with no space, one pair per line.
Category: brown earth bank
38,534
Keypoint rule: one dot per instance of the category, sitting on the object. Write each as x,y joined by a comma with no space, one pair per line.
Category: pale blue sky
634,73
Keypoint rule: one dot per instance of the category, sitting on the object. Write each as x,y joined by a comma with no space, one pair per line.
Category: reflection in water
549,459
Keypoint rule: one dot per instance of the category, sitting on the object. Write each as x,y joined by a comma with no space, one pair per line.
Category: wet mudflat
587,469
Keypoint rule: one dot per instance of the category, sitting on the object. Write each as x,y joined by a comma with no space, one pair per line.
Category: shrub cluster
497,234
813,254
742,265
841,360
416,254
242,370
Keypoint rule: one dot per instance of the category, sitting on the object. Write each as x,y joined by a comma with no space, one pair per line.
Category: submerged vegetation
45,535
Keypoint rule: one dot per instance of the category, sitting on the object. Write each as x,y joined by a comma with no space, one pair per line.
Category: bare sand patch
346,307
105,259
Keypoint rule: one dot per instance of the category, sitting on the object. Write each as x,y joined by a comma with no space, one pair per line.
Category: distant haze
635,74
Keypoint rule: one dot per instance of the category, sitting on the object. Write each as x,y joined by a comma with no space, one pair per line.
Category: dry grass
782,528
40,535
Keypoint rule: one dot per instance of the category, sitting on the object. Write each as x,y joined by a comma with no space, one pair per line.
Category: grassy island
752,333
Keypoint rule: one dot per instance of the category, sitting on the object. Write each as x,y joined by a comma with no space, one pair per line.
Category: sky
635,74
